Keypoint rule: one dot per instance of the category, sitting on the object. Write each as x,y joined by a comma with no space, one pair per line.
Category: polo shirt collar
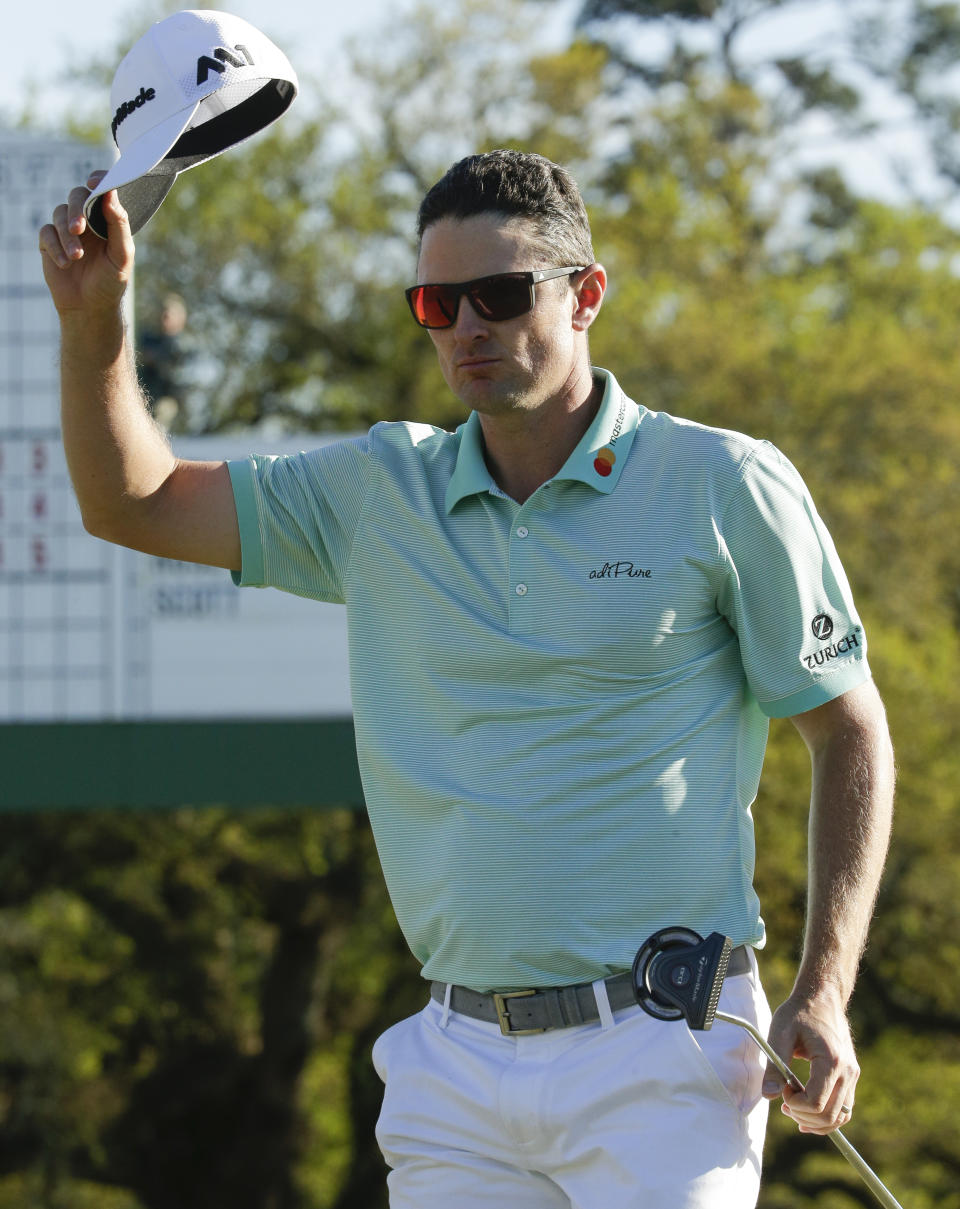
598,459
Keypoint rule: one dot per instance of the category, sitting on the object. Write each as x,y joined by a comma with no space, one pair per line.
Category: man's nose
468,324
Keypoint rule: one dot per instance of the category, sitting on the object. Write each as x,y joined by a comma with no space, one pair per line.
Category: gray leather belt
520,1013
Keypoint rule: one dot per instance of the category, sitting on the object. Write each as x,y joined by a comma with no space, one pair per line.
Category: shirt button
522,531
521,589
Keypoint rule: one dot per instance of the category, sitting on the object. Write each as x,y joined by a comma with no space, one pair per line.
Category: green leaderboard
269,762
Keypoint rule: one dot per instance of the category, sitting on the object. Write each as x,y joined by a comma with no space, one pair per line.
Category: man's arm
130,487
850,817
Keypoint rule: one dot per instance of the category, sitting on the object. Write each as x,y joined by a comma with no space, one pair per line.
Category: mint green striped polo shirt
561,707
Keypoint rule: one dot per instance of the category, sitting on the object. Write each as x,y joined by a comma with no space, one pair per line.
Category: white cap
195,84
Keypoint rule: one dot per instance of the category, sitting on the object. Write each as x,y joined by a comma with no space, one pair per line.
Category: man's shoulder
692,443
412,438
406,457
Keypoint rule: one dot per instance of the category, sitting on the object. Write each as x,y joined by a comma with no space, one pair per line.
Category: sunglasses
502,296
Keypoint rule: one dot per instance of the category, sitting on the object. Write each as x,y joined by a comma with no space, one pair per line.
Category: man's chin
490,395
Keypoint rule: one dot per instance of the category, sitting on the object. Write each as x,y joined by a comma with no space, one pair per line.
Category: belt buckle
503,1015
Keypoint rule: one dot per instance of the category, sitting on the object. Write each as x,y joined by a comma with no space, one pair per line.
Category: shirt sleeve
785,592
298,515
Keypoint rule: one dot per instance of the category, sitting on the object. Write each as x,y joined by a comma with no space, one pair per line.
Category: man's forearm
850,819
116,454
850,816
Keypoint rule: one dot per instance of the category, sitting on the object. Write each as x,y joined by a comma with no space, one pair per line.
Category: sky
42,38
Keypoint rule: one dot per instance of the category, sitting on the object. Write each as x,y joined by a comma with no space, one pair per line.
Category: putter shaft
866,1173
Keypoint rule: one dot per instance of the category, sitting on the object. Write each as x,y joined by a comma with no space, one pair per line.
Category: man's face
513,364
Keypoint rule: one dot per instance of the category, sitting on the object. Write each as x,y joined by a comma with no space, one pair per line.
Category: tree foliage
188,1001
835,71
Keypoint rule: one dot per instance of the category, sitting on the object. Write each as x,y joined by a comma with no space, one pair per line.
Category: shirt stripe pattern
561,707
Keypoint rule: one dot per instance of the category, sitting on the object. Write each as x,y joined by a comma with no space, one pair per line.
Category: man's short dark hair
516,184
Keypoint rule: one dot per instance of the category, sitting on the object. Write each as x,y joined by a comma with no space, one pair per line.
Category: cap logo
124,110
219,62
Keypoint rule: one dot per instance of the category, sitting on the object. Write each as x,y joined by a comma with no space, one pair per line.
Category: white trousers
629,1113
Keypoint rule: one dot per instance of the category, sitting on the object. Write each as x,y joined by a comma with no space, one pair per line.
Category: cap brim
141,190
140,198
146,170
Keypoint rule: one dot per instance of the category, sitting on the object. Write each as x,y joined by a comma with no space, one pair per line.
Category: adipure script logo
622,569
221,57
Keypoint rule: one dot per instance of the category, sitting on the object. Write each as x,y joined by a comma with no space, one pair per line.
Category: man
569,623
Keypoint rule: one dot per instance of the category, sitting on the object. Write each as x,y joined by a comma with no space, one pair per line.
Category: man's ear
589,289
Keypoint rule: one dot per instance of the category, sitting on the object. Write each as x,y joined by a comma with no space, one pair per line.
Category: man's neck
524,449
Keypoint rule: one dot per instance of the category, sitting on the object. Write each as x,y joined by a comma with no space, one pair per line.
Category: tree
832,74
175,986
297,299
831,336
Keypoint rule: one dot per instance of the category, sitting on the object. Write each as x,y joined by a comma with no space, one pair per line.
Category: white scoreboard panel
207,648
89,631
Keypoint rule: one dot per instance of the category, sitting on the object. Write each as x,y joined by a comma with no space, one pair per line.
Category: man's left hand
815,1029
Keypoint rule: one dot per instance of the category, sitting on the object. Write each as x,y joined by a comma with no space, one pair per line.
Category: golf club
679,975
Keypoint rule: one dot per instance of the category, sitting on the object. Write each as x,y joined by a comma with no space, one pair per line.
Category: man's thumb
773,1082
119,239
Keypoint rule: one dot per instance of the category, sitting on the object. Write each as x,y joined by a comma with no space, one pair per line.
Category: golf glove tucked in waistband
536,1011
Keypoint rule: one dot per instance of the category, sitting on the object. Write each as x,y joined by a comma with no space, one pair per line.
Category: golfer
570,621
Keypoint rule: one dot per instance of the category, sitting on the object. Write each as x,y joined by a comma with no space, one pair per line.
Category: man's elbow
119,526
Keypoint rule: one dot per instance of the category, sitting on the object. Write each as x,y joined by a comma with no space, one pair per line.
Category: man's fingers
64,221
836,1113
76,220
51,246
823,1104
782,1042
832,1075
68,238
56,241
119,239
75,203
113,211
772,1083
827,1101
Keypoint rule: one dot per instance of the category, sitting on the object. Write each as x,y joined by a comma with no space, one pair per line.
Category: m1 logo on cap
219,62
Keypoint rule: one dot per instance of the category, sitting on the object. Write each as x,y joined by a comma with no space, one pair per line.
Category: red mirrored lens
434,305
504,296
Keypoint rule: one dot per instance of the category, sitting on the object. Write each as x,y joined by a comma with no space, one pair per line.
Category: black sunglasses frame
455,290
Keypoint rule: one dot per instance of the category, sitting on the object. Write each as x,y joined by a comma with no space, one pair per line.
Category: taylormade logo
124,111
681,975
221,57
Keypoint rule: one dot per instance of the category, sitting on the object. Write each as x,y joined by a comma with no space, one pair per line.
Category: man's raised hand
84,272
